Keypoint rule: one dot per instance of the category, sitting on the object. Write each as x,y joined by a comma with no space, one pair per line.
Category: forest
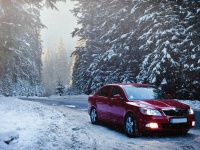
125,41
132,41
21,46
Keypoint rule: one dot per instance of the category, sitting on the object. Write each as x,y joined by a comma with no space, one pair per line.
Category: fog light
152,125
193,123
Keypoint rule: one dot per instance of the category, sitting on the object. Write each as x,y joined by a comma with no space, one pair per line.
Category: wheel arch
137,131
93,106
129,113
94,115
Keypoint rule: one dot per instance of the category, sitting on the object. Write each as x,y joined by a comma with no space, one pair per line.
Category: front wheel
131,126
94,116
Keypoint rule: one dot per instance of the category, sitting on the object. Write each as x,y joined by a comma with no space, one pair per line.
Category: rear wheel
131,126
94,116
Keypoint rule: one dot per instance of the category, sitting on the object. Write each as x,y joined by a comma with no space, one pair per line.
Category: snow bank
27,125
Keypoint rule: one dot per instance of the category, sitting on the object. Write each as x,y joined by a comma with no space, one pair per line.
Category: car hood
158,104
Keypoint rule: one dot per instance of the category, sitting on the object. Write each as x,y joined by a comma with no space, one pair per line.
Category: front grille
179,126
176,112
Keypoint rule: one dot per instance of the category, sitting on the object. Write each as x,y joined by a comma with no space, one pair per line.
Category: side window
117,90
104,91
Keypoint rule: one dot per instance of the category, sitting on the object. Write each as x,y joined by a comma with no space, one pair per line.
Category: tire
131,126
94,116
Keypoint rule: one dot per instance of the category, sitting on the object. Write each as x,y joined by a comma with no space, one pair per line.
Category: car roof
132,84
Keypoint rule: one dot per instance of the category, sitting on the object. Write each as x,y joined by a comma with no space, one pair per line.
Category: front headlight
191,111
151,112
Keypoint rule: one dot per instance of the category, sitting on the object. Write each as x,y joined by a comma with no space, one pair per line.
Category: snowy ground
34,126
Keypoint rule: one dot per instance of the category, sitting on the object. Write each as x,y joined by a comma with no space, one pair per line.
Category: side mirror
117,96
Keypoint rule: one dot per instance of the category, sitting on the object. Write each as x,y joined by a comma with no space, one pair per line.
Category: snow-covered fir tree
60,89
56,68
168,42
48,80
20,46
147,41
62,64
20,27
107,55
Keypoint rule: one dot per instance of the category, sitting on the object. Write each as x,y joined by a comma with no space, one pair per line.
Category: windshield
144,93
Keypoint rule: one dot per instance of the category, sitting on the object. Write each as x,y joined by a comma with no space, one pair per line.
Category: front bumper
163,123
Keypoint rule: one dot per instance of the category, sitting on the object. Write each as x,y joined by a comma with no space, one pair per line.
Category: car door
102,102
117,105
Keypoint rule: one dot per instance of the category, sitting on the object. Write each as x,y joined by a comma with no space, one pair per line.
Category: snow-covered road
35,126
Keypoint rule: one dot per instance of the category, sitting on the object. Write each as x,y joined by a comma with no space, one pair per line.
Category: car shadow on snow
150,135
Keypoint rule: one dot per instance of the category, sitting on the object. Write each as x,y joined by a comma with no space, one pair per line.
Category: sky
60,24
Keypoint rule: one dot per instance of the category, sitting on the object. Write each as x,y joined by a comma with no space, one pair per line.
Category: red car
139,108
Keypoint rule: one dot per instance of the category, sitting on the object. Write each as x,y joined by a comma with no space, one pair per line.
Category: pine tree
20,28
62,70
105,46
20,46
59,89
148,41
56,68
169,47
48,74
